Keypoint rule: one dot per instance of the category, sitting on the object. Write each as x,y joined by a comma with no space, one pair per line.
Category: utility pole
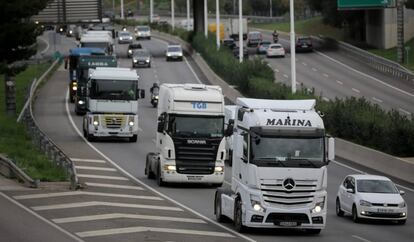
172,14
241,53
151,10
205,19
400,31
218,24
122,9
271,8
10,91
188,15
292,47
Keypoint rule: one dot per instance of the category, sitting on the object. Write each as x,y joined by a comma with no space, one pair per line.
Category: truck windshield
306,152
113,89
196,126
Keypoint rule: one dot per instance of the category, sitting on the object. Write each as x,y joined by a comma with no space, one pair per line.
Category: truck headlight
131,123
402,205
168,54
95,121
170,168
318,206
180,54
130,51
255,202
365,203
147,61
81,102
219,169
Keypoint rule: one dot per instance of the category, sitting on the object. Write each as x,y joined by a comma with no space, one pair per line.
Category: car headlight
365,203
70,31
217,168
81,102
130,51
135,61
130,37
168,54
255,202
170,168
402,205
147,61
319,206
180,54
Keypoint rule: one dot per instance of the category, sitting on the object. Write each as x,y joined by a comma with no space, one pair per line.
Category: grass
15,142
313,26
391,54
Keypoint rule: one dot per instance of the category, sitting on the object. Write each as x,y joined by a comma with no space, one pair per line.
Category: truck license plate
194,178
288,223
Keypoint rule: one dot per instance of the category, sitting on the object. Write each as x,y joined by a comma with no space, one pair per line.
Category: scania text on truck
190,144
279,175
112,104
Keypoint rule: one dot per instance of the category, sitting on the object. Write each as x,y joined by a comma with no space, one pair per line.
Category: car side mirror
230,128
402,193
350,190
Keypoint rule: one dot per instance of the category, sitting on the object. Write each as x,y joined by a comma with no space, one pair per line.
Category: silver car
124,37
141,58
142,32
174,52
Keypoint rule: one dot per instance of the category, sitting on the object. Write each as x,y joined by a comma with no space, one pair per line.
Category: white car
371,197
142,32
174,52
124,37
275,50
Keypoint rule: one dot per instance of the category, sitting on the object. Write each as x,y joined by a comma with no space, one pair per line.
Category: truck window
113,89
196,126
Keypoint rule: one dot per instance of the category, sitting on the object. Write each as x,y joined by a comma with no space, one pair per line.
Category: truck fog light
170,168
317,209
131,123
219,169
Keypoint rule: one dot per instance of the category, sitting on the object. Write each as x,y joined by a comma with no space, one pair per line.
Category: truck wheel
90,137
71,98
338,209
238,216
148,170
160,182
217,207
313,231
133,138
217,184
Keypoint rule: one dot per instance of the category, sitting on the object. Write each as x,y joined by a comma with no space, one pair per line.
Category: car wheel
338,209
355,217
238,216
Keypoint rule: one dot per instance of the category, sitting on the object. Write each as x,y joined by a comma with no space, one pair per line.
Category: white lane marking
47,46
103,177
356,90
128,230
107,204
227,183
142,183
192,70
88,160
93,184
325,99
154,141
377,99
277,70
339,82
360,238
139,129
123,215
366,75
314,69
269,65
325,75
285,76
95,168
362,172
304,63
41,218
404,111
77,193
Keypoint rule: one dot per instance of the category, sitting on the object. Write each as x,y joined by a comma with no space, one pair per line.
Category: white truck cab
279,175
190,144
101,40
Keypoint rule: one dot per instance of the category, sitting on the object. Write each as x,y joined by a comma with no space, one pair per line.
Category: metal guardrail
9,169
52,150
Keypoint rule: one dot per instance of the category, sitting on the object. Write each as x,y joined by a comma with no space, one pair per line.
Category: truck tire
313,231
148,170
160,182
134,138
217,207
238,216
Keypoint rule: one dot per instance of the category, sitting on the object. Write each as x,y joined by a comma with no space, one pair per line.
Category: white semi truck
279,175
102,40
112,104
190,144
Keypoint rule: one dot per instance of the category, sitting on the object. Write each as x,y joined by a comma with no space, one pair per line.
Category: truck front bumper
174,177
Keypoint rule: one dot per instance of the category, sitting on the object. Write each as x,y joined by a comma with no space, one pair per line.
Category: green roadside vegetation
15,142
313,26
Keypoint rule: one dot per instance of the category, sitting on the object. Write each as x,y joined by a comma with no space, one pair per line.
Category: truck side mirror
160,127
141,93
66,63
331,149
230,128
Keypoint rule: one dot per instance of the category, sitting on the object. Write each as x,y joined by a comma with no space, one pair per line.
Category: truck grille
302,193
276,218
114,121
196,156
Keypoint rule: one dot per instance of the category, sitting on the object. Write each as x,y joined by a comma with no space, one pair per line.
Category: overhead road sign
365,4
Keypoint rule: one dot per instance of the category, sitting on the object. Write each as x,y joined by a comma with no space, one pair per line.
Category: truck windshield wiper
303,159
270,161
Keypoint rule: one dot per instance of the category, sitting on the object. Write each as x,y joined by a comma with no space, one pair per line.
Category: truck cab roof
114,73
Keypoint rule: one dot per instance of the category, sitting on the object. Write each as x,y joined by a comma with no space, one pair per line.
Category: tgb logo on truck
289,122
199,105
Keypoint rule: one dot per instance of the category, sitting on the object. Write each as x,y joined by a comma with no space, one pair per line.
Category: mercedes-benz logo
289,184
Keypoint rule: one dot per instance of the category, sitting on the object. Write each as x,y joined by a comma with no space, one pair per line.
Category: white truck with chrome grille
112,104
190,144
279,175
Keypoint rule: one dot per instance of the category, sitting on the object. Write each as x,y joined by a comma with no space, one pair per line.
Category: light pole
151,10
188,15
292,47
172,14
218,24
205,19
122,9
271,8
241,54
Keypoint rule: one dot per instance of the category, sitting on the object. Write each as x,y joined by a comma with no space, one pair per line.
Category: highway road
120,203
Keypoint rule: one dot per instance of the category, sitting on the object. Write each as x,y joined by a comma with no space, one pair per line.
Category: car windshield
139,53
196,126
376,186
143,29
174,49
255,36
137,46
265,44
305,40
306,152
125,34
101,45
276,47
113,89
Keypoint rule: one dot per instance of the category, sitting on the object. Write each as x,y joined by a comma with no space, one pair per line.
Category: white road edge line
94,168
120,178
78,193
192,70
360,238
93,184
404,111
142,183
363,74
88,160
41,218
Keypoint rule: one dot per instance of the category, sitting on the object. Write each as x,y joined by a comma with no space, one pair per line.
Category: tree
410,4
17,32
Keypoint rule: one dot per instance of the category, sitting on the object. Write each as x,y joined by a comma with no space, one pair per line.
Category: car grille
276,218
385,204
384,215
275,194
196,158
114,121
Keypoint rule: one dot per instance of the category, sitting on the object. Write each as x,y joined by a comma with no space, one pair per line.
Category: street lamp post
151,10
240,32
205,19
122,9
271,8
292,47
188,15
218,24
172,14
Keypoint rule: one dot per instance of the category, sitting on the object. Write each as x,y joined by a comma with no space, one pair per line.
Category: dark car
236,52
304,44
229,43
254,38
141,58
132,47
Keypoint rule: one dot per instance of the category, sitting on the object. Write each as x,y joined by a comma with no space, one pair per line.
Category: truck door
242,156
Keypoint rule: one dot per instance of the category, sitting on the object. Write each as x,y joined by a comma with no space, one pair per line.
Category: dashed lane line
88,160
285,76
325,75
360,238
123,215
129,230
93,184
356,90
99,203
314,69
120,178
339,82
77,193
304,63
404,111
95,168
377,100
